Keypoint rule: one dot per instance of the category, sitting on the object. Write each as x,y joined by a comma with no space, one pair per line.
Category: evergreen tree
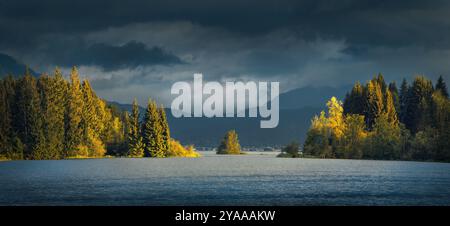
441,115
389,108
374,103
418,105
165,129
230,144
354,102
91,124
404,96
442,87
395,96
11,145
29,118
53,101
152,132
135,142
73,129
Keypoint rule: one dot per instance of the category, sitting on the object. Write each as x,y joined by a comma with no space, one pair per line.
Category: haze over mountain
297,107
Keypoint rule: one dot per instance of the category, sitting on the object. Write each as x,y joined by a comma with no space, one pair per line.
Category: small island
230,144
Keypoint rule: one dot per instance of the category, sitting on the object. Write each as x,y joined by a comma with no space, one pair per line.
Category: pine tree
73,131
165,129
152,132
374,103
92,126
354,103
135,143
418,105
29,124
230,144
404,95
12,146
442,87
380,80
395,96
389,109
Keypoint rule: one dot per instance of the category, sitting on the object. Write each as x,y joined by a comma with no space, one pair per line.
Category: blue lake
253,179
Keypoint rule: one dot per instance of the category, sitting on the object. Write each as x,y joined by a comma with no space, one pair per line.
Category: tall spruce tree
418,105
354,102
374,103
152,132
442,87
53,107
165,129
74,131
135,143
395,96
29,118
404,95
389,108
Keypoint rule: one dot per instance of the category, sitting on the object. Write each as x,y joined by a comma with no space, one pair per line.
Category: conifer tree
29,123
74,132
91,124
354,103
374,103
165,129
442,87
418,106
135,142
12,146
389,108
404,92
152,132
53,99
395,96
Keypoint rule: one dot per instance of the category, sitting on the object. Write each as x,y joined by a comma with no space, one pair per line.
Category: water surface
253,179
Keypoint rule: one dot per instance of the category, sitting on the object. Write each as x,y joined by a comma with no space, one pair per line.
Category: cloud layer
140,48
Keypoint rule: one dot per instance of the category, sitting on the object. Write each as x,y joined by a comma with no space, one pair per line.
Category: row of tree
51,118
150,138
376,121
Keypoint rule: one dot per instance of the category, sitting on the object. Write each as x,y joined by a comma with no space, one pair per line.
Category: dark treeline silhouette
51,118
378,121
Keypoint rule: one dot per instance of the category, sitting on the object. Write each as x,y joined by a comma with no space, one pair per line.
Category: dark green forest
51,118
379,121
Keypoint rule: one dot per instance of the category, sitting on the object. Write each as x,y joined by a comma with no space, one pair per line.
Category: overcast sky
139,48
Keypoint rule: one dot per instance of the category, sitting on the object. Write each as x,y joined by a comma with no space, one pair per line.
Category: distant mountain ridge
10,66
297,107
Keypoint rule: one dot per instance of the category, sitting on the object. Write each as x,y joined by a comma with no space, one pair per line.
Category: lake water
253,179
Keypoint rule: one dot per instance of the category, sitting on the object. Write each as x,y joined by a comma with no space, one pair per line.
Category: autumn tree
229,144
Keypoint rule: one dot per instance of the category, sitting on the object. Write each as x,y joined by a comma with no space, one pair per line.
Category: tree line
378,121
51,118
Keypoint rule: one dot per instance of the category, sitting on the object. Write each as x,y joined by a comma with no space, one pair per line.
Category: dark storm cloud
362,22
129,55
140,47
